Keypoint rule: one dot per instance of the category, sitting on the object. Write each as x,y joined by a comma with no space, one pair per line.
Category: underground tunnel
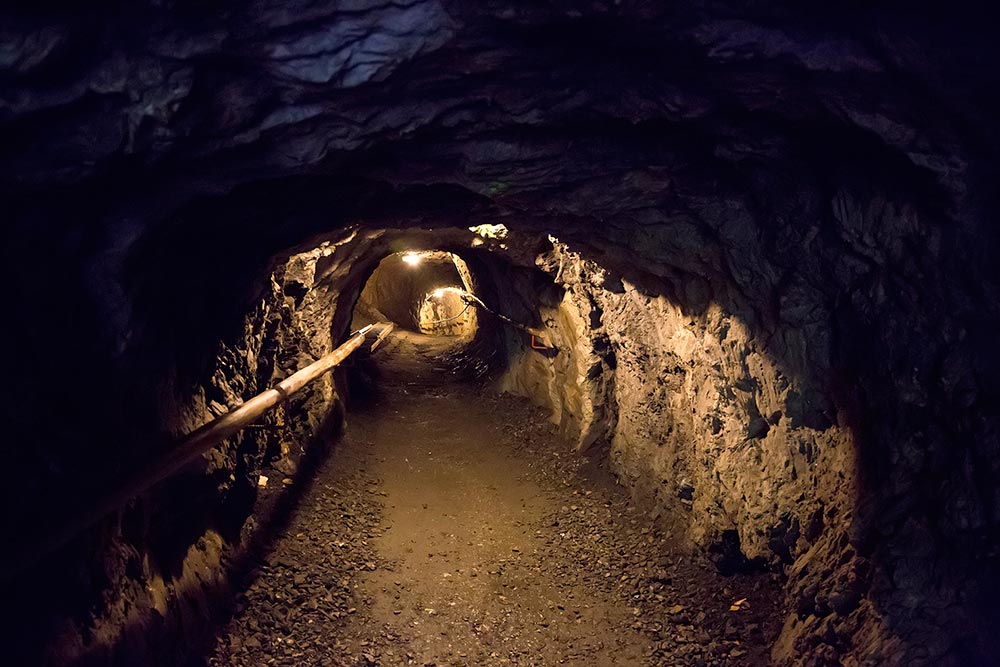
420,292
506,333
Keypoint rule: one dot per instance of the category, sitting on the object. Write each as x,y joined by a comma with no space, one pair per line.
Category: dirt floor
451,526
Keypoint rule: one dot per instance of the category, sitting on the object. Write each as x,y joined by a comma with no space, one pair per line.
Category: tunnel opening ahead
422,292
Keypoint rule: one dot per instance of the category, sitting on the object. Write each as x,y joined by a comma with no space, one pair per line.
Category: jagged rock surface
820,185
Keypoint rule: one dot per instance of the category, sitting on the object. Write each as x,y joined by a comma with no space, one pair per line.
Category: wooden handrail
382,336
191,447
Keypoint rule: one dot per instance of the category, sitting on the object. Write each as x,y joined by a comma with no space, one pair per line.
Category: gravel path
453,527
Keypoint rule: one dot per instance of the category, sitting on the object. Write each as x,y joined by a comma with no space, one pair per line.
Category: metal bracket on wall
537,347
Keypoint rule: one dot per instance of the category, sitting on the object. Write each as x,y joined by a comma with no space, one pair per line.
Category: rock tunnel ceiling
761,237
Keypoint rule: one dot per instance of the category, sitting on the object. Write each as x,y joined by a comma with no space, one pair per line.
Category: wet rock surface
490,542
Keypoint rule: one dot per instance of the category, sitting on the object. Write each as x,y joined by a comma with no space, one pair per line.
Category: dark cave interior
755,236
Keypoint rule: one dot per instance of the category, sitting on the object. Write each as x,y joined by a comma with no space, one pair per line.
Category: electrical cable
469,298
468,304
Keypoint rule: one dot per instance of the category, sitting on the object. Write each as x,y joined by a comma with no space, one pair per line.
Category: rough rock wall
740,439
151,576
447,315
577,383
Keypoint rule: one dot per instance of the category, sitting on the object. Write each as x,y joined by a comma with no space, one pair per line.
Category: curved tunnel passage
757,244
421,292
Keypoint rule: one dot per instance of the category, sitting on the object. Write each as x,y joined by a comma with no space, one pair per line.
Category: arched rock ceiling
741,143
601,110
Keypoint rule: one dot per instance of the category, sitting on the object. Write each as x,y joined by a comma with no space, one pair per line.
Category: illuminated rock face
730,447
418,291
774,289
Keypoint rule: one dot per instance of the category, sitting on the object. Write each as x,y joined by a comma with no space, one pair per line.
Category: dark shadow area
271,518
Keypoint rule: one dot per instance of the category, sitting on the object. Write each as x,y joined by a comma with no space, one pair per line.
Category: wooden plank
382,336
